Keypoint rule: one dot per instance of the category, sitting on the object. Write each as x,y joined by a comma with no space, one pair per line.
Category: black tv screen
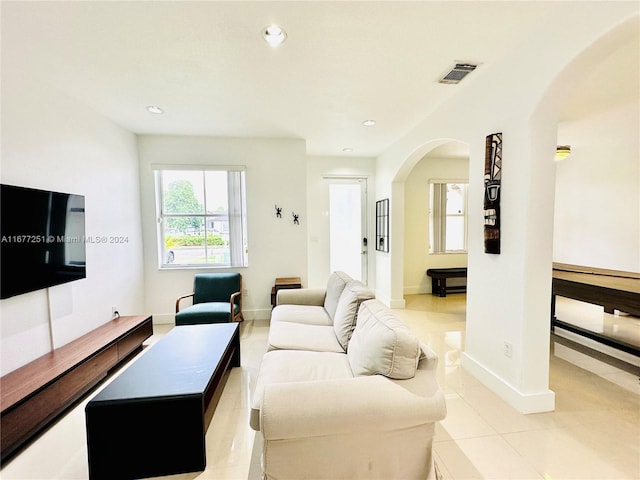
42,239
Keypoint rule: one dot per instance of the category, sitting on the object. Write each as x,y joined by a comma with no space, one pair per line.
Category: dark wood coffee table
151,420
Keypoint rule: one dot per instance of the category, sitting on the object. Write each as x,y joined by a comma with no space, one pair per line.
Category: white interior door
348,226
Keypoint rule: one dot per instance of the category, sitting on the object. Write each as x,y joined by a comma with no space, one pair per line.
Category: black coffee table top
179,364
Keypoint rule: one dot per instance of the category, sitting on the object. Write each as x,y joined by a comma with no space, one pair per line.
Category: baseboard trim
397,303
538,402
417,289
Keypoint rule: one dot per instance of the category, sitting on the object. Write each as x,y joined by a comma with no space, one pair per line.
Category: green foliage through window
195,226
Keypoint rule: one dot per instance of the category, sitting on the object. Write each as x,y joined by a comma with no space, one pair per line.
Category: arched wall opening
597,208
597,188
512,299
445,163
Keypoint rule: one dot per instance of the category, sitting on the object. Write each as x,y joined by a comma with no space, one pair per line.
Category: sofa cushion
300,336
285,366
335,285
382,344
307,314
346,316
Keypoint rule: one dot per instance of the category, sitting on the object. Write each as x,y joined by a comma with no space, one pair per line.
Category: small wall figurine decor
278,212
382,225
296,217
492,184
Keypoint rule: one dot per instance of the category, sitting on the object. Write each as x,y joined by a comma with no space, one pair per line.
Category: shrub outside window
201,217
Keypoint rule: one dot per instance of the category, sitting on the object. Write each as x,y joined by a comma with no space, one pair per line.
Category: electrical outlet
114,312
245,292
507,349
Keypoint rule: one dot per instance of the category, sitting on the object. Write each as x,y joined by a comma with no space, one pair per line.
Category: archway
445,163
511,303
597,195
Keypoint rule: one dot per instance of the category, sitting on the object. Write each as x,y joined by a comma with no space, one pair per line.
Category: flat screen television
42,239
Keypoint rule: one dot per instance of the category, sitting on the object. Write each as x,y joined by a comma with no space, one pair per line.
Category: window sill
166,268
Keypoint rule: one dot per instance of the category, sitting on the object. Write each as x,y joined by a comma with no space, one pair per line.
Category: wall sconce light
562,152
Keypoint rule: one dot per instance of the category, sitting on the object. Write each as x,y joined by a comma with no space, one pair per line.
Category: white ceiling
207,66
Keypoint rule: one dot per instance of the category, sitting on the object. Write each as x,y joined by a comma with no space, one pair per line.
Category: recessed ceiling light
274,35
347,150
369,123
155,110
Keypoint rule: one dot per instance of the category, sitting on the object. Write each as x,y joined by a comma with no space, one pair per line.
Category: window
201,217
448,217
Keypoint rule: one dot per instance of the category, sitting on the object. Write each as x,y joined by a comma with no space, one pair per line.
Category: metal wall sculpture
492,183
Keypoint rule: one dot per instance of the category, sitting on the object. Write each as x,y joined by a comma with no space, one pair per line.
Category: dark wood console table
33,395
611,289
152,419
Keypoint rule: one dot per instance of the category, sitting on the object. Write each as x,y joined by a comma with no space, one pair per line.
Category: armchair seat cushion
208,312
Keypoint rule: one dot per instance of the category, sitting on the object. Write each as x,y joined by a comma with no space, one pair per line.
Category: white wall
275,174
50,141
508,294
318,168
416,215
597,220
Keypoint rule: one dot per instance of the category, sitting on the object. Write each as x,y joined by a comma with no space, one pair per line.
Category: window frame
236,216
438,215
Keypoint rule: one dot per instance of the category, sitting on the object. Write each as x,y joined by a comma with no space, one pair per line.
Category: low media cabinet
34,395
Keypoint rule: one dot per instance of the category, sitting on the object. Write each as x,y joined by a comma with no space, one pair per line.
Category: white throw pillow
346,316
382,344
335,285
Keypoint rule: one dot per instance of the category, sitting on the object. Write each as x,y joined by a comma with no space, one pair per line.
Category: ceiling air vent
457,73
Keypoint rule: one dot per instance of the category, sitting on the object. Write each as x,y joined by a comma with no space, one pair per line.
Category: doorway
348,249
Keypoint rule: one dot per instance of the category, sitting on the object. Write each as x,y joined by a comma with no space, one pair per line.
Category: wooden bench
439,278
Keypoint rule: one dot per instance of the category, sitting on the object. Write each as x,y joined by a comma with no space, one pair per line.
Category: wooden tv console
35,394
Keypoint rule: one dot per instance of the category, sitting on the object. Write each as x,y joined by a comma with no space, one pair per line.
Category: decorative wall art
382,225
295,216
492,185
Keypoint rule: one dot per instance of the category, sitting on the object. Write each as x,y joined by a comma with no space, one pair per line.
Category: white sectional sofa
345,390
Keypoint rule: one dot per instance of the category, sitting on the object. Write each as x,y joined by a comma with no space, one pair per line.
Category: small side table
282,283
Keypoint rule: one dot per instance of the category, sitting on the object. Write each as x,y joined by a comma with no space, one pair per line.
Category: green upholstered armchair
217,298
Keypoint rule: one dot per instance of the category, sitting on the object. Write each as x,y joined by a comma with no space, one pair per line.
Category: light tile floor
594,433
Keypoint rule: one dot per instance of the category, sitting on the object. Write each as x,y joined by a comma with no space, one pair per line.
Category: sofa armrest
301,296
339,407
